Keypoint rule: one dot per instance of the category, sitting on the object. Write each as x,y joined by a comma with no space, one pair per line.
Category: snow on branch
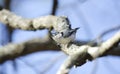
18,22
14,50
77,54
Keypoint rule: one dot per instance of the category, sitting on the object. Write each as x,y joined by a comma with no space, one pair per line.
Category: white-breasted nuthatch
65,37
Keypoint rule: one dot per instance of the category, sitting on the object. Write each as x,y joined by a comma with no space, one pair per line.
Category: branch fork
77,55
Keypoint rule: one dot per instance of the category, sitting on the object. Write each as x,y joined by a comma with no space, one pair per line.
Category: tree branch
12,51
78,55
54,7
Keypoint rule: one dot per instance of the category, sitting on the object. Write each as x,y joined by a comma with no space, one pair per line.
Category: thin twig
54,7
99,40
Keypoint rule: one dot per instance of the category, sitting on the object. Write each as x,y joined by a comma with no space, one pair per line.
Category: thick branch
78,55
15,21
45,22
114,52
105,46
12,51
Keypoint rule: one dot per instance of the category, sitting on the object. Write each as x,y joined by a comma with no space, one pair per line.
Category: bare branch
99,37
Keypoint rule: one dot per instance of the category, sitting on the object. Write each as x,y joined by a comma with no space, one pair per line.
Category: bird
65,37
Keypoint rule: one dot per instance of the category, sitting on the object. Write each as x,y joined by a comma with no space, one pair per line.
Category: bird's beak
77,28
